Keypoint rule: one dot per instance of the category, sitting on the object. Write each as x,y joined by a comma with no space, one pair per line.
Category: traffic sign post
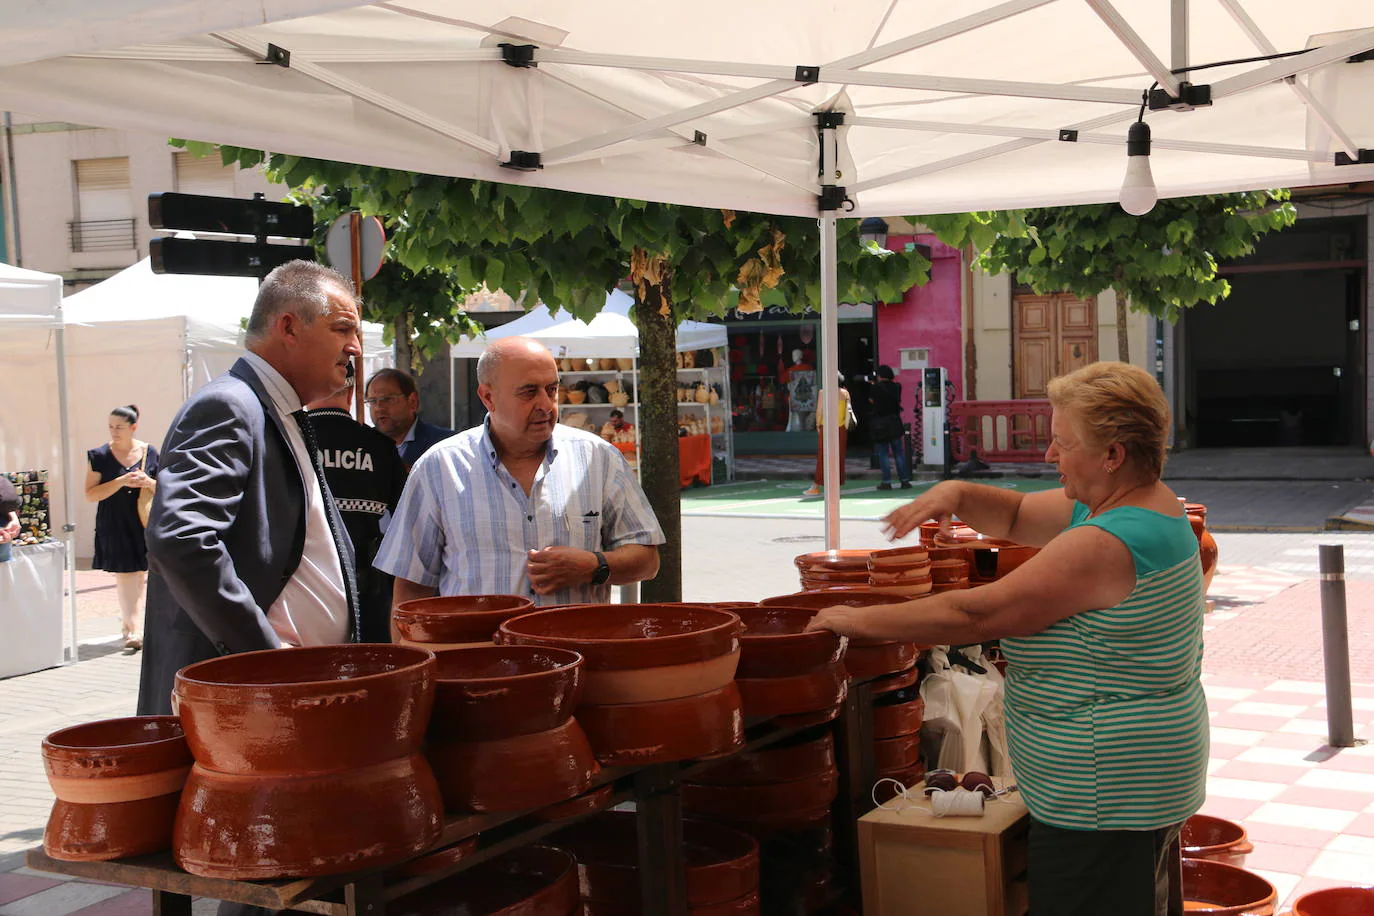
354,245
259,217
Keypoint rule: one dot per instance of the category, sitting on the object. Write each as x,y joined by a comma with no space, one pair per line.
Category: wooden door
1053,335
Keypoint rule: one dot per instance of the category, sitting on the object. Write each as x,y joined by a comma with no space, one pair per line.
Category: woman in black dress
120,470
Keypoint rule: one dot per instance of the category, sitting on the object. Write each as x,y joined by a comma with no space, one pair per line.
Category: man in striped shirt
520,504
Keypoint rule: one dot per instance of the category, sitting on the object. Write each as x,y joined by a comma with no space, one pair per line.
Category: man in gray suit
246,549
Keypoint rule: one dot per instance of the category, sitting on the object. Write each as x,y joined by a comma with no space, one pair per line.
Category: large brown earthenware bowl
908,575
256,827
866,661
1336,901
817,599
834,560
942,571
964,536
1224,890
777,805
819,688
989,565
112,830
898,558
636,733
787,760
310,710
530,881
617,636
1215,838
722,863
455,620
513,774
892,720
586,803
492,692
896,753
775,643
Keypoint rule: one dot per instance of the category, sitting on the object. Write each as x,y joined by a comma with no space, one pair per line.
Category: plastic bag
964,727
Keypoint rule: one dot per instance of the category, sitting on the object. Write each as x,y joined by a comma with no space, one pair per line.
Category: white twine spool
959,802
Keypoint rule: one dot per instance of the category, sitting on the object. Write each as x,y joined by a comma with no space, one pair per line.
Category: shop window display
774,380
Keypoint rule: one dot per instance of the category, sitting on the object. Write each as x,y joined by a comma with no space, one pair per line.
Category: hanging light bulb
1138,193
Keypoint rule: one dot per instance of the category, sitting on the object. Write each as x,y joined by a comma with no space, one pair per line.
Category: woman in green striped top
1102,630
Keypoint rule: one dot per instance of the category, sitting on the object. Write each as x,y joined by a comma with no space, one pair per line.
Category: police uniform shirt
364,472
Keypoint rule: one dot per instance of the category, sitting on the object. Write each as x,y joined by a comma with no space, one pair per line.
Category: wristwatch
603,569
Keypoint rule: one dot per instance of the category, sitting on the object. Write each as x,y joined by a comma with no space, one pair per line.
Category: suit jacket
426,434
225,534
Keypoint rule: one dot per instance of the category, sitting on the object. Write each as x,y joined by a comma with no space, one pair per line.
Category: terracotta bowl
948,570
901,575
869,661
898,753
113,830
595,800
911,777
898,557
722,863
950,553
776,805
255,827
892,683
456,620
775,644
431,862
636,733
819,688
989,565
964,536
117,760
1215,838
529,881
492,692
834,560
853,597
650,685
905,591
807,719
1225,890
615,636
311,710
787,760
514,774
892,720
953,585
1336,901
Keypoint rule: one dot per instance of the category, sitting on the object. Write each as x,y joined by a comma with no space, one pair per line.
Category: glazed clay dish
455,620
611,636
775,643
491,692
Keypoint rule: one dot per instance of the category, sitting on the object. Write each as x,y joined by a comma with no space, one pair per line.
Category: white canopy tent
31,319
872,108
138,338
610,333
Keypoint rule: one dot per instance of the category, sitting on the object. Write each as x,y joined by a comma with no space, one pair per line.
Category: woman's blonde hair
1118,402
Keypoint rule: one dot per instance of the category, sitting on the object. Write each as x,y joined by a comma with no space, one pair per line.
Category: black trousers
1090,872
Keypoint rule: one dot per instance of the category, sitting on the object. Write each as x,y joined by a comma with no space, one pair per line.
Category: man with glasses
394,405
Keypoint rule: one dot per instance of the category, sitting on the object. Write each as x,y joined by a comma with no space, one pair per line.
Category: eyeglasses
384,400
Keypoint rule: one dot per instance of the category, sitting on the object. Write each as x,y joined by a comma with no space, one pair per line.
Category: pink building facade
928,317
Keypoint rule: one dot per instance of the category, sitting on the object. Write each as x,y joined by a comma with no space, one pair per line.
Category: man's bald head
489,363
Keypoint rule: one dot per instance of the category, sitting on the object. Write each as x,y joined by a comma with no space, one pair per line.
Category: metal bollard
1340,725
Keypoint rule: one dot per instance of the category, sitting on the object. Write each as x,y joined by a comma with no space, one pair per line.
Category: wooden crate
915,864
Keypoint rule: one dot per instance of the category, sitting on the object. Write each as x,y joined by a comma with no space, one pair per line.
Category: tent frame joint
833,197
278,56
828,120
524,161
518,55
808,74
1189,96
1068,135
1364,157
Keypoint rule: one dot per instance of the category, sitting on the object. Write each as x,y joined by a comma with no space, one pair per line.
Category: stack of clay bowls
455,621
529,881
897,718
785,671
991,558
833,569
902,571
865,659
722,866
658,680
786,786
307,761
502,736
949,568
118,783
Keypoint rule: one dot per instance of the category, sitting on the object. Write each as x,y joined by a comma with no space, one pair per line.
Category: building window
104,208
203,175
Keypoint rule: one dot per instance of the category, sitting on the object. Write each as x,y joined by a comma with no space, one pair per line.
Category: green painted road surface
859,500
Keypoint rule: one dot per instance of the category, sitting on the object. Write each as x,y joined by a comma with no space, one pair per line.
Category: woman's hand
840,619
137,479
940,502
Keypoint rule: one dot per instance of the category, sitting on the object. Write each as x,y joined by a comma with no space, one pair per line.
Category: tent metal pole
830,373
68,498
1136,45
1292,66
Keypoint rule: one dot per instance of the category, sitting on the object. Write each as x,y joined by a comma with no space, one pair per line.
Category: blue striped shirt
465,525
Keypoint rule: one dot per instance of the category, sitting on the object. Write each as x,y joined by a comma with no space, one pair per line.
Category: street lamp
873,229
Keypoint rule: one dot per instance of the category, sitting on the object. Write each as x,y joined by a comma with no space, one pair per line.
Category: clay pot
455,621
1215,838
776,805
1224,890
852,597
910,777
636,733
785,761
775,643
1336,901
293,712
905,591
619,399
834,561
514,774
894,682
1207,545
493,692
951,553
616,636
964,536
808,719
722,863
898,557
942,571
529,881
434,861
586,803
866,662
576,395
703,394
624,363
117,784
950,586
896,753
652,685
855,579
819,688
901,575
892,720
252,827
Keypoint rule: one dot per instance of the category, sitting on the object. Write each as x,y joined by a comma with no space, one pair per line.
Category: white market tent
610,333
975,105
137,338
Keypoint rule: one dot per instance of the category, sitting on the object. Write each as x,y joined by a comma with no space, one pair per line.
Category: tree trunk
405,351
658,464
1123,342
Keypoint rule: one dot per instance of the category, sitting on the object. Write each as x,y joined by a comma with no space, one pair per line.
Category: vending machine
933,416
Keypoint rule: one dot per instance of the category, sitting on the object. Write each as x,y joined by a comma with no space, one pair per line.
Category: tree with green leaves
1161,263
568,249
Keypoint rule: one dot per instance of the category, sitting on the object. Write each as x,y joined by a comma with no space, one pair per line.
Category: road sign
338,244
257,217
220,258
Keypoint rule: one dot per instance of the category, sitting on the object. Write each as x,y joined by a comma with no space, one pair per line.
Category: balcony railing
102,234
